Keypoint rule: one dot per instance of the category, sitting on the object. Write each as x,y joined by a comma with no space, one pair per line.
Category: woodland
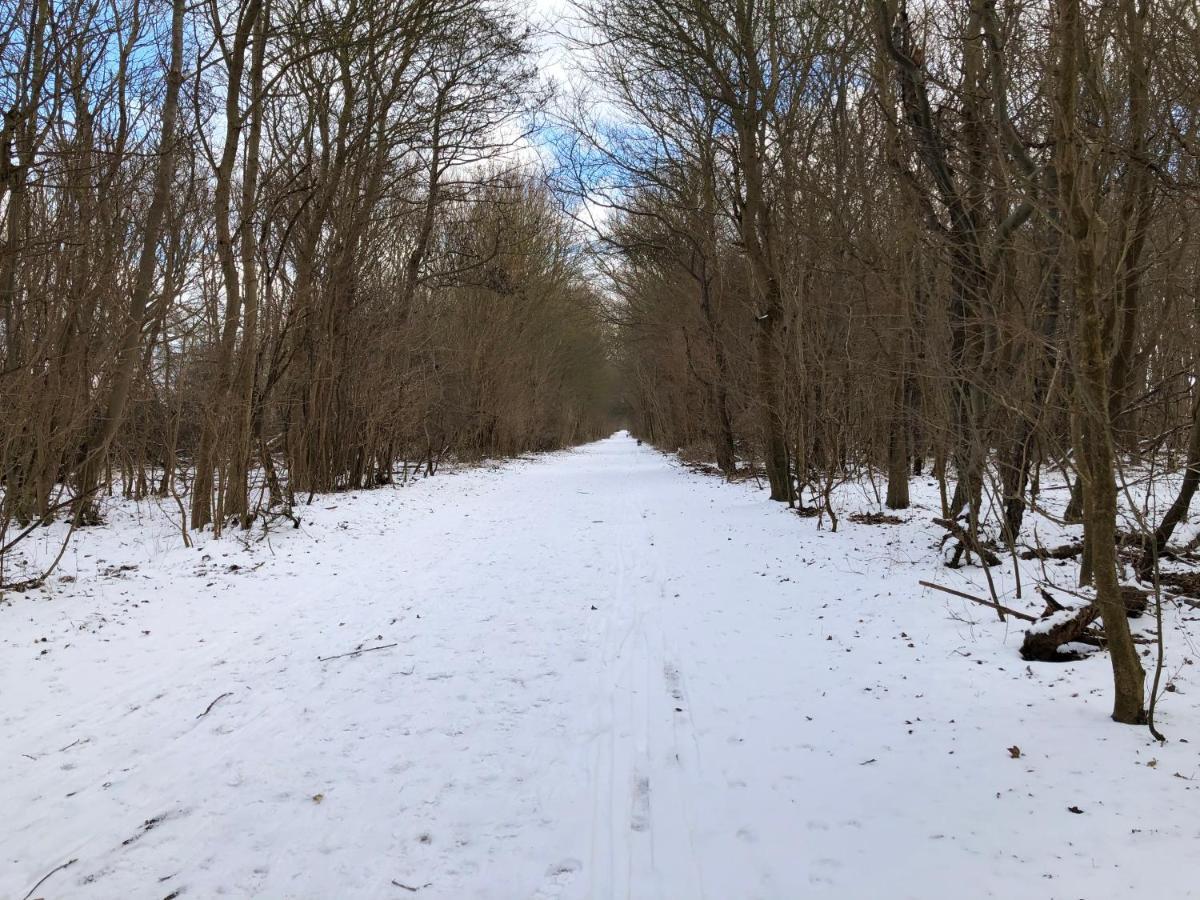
255,251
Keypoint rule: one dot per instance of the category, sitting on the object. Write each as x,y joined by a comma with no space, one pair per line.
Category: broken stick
356,652
210,706
44,878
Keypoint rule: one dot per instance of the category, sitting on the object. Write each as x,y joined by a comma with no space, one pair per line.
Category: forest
261,249
256,255
854,238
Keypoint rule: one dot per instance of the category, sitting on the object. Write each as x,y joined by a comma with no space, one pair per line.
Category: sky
555,19
554,15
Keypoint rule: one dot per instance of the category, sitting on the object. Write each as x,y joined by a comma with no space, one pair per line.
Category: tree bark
1092,425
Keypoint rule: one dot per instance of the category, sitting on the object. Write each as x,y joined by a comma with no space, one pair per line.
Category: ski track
739,715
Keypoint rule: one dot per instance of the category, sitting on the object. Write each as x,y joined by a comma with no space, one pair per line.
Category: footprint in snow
640,820
567,866
558,876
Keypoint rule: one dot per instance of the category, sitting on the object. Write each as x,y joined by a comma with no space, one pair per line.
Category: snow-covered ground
611,677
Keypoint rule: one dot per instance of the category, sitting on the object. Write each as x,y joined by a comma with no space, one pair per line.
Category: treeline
253,249
877,236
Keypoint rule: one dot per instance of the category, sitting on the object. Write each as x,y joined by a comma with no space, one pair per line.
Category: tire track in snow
642,833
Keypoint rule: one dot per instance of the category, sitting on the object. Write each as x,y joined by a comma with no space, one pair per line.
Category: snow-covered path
612,679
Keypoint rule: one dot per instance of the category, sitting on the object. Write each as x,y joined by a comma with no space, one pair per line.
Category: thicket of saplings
855,238
255,249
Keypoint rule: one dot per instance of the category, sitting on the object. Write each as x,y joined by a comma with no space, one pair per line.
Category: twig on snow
208,709
357,652
42,880
409,887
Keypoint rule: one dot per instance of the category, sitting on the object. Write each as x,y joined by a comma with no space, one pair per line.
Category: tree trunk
775,456
1092,424
899,450
95,450
214,417
236,499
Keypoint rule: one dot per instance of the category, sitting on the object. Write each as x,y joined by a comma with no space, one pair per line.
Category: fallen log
1186,583
1059,624
1136,601
1065,551
1043,641
1062,624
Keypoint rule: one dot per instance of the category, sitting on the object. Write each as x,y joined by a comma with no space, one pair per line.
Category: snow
1048,623
612,678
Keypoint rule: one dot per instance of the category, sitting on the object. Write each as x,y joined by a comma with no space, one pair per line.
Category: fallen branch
43,519
966,542
210,706
988,603
20,587
42,880
357,652
409,887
